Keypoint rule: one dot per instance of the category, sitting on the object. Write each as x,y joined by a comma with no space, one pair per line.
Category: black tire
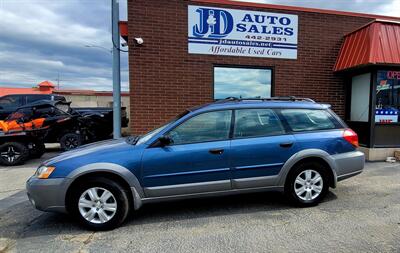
38,150
119,193
298,170
13,153
70,141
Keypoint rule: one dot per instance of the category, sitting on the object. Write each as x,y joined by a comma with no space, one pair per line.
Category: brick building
186,61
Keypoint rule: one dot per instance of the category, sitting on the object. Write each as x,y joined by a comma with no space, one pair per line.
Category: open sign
393,75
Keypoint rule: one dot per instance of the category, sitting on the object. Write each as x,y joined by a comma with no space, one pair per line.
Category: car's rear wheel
99,204
13,153
307,184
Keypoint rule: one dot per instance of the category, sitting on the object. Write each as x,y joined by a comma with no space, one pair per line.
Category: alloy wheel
308,185
97,205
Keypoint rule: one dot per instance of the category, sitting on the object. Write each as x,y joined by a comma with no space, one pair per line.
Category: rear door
259,148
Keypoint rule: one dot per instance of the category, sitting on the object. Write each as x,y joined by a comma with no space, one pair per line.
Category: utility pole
116,70
58,81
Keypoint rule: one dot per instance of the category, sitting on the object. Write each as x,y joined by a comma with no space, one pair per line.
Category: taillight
351,137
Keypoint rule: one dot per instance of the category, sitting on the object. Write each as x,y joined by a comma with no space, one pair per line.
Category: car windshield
150,134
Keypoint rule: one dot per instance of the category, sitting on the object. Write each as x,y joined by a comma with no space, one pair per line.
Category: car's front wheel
307,184
99,204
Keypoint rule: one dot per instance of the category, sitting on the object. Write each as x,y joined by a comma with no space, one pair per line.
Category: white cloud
38,22
392,9
43,39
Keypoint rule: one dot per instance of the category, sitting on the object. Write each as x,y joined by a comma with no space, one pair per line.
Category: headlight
44,172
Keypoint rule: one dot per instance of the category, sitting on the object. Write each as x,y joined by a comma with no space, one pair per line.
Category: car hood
100,150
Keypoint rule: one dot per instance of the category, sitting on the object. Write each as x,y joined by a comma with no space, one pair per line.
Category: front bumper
47,194
348,164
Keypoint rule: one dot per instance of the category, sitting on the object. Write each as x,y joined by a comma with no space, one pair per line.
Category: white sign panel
386,115
220,31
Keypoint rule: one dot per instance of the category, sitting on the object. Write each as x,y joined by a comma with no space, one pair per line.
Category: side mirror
164,141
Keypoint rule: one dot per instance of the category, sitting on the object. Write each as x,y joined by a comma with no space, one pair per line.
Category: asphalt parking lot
361,215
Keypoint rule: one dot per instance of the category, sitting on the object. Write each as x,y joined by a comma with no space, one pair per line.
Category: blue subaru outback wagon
292,145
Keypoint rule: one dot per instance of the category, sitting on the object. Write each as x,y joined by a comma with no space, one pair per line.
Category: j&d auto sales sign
219,31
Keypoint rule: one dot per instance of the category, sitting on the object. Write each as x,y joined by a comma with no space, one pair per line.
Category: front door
259,148
197,161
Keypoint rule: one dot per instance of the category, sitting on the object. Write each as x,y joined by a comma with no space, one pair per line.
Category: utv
65,125
20,141
24,132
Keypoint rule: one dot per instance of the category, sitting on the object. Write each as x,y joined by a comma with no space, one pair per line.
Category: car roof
274,102
33,95
43,103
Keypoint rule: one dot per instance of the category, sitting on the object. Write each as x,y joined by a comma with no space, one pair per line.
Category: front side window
308,120
242,82
387,97
210,126
257,122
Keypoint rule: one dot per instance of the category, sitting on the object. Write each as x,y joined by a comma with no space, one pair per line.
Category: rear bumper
348,164
47,194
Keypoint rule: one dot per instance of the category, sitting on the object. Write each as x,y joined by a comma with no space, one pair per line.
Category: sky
241,82
48,39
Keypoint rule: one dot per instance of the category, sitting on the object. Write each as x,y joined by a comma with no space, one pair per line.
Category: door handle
286,144
216,151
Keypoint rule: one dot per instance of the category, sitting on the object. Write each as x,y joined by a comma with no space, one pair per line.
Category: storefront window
242,82
387,96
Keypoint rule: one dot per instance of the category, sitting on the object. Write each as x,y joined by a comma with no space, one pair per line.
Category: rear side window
256,122
309,120
10,101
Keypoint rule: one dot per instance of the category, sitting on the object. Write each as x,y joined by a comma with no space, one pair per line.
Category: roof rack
289,98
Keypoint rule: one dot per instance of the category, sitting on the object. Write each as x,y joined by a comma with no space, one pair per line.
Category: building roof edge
296,8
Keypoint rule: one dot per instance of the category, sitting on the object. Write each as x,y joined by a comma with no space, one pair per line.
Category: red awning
123,30
377,42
